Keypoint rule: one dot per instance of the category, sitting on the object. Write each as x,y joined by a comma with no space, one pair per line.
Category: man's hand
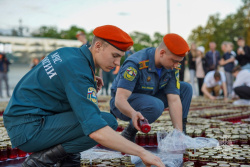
212,97
149,159
222,62
225,99
240,51
135,117
99,82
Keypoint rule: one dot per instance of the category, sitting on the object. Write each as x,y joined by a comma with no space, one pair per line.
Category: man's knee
237,90
186,88
153,112
110,119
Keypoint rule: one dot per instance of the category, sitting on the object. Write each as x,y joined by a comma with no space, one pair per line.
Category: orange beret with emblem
114,36
176,44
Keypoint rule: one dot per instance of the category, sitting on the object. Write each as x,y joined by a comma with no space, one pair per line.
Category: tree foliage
45,31
141,40
227,29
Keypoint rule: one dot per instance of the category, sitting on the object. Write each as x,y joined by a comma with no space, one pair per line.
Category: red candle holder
3,152
144,125
21,153
151,141
142,141
13,153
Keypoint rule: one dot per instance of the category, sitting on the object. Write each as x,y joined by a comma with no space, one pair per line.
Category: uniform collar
86,52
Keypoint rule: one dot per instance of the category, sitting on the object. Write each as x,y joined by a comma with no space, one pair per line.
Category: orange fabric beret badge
176,44
114,36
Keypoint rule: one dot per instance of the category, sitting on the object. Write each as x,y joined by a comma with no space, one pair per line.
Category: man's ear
162,52
98,46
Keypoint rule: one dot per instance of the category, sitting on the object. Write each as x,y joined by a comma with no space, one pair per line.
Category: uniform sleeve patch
92,95
177,79
130,74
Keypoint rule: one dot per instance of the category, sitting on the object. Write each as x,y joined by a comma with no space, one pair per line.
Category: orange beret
176,44
114,36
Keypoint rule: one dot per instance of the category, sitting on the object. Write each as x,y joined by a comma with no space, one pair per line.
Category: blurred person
192,66
148,82
213,82
200,63
231,49
115,72
54,112
108,78
212,58
81,36
241,84
4,69
233,53
42,57
35,62
243,54
129,53
227,62
182,69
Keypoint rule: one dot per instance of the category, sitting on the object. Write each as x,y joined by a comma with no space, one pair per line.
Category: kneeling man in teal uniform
53,111
148,82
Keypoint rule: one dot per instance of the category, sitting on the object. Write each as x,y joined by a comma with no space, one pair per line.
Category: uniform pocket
20,134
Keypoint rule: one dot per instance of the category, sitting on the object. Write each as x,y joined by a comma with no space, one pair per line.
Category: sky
146,16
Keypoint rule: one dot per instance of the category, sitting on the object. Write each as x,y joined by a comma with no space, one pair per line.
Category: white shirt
210,81
243,78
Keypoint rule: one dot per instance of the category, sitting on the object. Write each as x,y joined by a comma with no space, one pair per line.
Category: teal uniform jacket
63,81
139,75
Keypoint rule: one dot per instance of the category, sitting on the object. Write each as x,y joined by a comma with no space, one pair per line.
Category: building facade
23,49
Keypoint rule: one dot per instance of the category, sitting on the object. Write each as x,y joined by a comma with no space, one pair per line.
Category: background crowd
208,64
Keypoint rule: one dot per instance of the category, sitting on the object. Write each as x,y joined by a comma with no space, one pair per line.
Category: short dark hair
237,68
217,74
95,38
241,38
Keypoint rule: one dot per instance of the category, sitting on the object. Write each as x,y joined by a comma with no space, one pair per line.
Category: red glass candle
3,152
146,139
142,141
203,160
137,139
21,153
185,157
151,139
155,139
144,125
13,153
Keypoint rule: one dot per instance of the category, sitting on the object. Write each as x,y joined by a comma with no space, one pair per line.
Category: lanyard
93,73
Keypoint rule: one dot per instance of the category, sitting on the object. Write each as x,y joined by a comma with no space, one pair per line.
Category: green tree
71,33
157,39
141,40
228,29
45,31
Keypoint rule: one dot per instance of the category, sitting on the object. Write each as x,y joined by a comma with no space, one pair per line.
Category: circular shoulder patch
92,95
130,73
